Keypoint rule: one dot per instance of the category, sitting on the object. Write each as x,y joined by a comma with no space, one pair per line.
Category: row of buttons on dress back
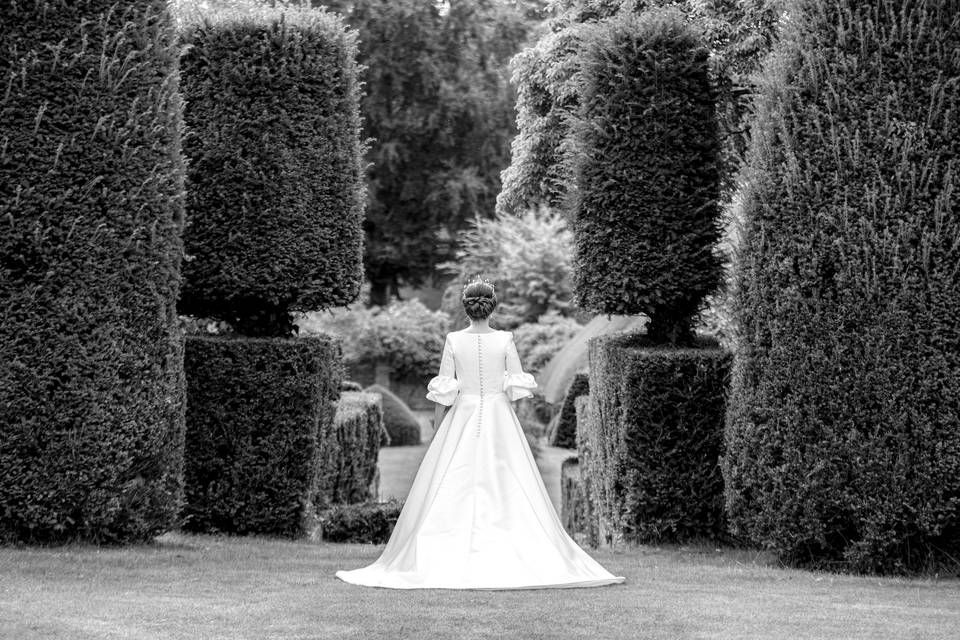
480,367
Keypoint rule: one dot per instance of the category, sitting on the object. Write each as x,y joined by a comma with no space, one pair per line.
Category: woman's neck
480,325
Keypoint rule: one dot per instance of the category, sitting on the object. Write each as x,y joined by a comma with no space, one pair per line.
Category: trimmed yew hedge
275,188
654,438
349,469
843,431
646,215
565,434
580,496
260,412
91,204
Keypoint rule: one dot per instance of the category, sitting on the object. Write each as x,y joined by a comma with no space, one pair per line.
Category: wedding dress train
478,515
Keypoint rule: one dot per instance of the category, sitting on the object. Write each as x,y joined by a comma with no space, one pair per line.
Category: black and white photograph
480,319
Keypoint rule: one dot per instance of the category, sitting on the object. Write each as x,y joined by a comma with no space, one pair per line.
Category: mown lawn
216,587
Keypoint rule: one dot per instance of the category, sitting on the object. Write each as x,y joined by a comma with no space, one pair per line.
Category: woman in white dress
478,515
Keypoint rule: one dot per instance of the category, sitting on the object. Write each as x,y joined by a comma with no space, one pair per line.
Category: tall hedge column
275,209
645,226
843,431
91,216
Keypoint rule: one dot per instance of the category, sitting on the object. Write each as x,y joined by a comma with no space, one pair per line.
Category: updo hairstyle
478,299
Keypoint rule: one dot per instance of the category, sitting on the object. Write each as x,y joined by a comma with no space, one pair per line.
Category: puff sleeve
517,384
443,388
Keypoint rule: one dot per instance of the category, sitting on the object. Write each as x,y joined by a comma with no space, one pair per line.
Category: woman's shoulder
465,332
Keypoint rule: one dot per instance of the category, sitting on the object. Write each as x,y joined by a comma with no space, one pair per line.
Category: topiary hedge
276,192
654,439
349,468
91,203
843,431
566,430
260,412
584,518
646,168
402,425
368,522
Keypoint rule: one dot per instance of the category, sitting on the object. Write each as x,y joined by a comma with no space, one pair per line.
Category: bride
478,515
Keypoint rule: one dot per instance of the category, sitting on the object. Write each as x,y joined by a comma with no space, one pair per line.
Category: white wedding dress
478,515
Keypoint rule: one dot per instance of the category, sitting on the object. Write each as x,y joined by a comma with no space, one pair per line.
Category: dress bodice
480,364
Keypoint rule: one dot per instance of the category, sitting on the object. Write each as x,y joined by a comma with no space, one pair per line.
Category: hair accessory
478,280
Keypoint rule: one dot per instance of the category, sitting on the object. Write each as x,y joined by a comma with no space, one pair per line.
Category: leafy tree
738,33
438,109
547,79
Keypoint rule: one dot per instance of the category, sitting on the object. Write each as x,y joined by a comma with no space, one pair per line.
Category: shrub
407,335
370,522
843,447
565,434
537,342
656,438
275,191
647,173
401,423
526,256
348,473
91,199
260,414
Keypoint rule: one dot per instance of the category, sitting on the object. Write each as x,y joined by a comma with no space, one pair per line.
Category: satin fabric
478,515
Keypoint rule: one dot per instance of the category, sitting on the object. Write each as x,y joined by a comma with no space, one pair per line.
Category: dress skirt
478,515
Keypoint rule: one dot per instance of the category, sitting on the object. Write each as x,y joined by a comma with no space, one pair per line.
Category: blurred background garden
724,233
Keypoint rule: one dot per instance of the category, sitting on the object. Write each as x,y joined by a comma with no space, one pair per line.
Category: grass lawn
185,586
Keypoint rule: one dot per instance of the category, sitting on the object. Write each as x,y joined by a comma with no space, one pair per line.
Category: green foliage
574,504
401,423
646,213
91,203
259,426
656,437
348,472
547,77
275,187
843,446
439,110
369,522
407,335
528,259
586,497
538,342
716,318
565,434
740,34
547,97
